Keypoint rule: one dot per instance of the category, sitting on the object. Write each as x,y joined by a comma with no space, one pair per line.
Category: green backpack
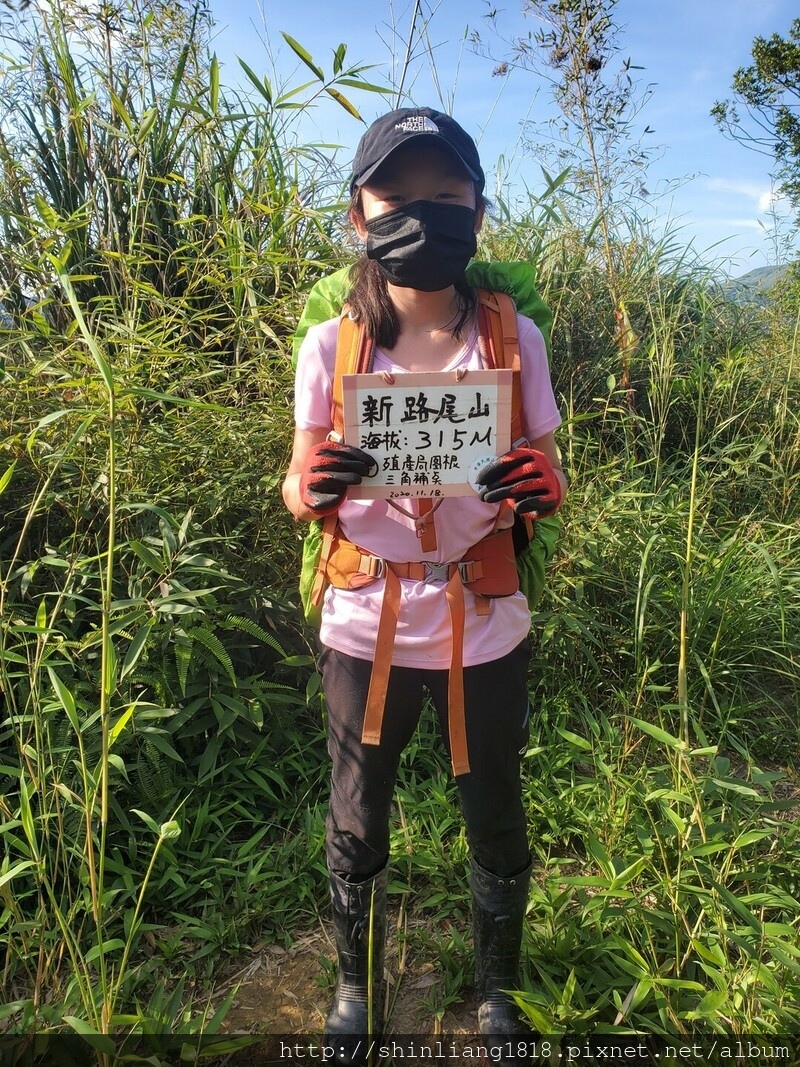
325,302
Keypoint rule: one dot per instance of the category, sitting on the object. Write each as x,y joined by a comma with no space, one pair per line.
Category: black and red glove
526,478
329,469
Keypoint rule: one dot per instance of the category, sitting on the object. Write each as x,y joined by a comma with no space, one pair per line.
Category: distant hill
752,288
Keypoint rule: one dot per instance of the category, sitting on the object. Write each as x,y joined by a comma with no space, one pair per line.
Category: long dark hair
369,301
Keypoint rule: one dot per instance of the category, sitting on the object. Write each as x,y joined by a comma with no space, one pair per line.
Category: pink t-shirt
423,639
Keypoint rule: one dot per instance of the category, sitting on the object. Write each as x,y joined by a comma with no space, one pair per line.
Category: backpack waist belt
488,569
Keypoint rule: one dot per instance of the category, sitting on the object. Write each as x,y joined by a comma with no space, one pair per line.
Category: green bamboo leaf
659,735
679,823
177,80
749,837
709,848
26,817
638,960
5,480
41,616
120,109
710,1006
356,83
208,761
102,364
46,212
120,724
214,88
158,740
299,51
668,794
599,854
263,86
678,983
110,673
629,873
13,1006
575,739
119,763
222,1044
102,1042
66,699
135,649
148,820
338,58
147,556
737,907
15,870
114,945
178,401
737,787
53,416
711,953
341,99
146,125
298,89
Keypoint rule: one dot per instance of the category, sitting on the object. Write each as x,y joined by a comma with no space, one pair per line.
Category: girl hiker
417,203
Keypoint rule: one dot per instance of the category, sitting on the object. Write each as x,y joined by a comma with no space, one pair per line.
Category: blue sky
717,192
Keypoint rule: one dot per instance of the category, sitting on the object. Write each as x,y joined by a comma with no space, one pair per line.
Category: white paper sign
428,432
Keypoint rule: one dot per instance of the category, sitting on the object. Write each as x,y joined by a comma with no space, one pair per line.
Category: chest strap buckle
437,572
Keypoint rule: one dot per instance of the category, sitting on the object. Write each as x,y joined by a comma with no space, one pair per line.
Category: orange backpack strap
499,341
354,351
329,524
353,356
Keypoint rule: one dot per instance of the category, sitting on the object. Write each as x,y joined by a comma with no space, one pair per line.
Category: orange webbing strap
459,757
426,531
382,662
497,324
353,356
329,524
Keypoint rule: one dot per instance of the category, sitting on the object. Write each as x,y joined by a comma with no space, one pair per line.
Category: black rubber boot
356,1015
498,911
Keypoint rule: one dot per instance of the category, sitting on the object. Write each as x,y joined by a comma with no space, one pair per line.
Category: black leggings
363,777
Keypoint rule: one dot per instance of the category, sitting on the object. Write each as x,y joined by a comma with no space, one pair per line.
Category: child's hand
328,470
524,476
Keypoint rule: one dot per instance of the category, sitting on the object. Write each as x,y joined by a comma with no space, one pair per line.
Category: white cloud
746,224
764,197
756,192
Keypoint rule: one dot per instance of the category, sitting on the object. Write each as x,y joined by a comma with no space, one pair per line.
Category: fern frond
202,635
253,628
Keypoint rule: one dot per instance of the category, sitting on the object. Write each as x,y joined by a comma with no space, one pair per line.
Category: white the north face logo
417,124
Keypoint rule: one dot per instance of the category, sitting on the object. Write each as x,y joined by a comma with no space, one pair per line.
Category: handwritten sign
428,432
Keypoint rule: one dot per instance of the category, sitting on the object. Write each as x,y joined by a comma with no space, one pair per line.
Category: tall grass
158,234
163,753
661,787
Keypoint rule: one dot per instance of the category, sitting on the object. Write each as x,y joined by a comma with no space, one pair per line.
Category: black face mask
423,245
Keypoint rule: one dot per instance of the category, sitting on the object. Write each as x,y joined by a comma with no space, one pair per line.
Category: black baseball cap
407,124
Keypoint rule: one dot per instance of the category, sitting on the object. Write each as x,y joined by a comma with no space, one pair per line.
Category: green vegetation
161,728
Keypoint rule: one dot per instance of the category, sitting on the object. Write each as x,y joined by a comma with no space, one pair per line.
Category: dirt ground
288,991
